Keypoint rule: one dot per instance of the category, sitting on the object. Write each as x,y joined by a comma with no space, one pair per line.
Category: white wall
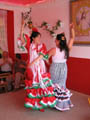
3,30
17,26
50,12
17,20
80,52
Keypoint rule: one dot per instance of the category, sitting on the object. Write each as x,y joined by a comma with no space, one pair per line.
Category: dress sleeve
26,44
27,40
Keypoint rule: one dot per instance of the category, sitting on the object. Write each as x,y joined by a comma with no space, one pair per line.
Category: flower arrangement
27,17
50,29
28,20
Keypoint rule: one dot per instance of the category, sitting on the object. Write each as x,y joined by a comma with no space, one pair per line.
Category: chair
22,82
4,84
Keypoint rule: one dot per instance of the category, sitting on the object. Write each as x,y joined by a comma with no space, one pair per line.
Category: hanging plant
27,17
44,24
50,29
28,22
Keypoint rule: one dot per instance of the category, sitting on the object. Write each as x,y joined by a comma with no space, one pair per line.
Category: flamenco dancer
38,86
58,69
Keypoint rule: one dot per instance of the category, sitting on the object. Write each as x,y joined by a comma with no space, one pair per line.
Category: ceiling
21,2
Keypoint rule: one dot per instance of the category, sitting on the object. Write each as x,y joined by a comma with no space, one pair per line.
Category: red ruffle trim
40,91
28,83
46,75
48,99
29,74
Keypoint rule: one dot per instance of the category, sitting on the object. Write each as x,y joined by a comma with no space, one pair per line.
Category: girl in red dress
38,85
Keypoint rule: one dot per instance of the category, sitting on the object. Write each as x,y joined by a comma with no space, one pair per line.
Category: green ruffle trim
22,47
24,38
34,108
35,87
43,105
44,56
38,85
27,106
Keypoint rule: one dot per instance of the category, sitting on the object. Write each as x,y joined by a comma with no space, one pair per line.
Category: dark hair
0,55
63,45
18,56
30,22
34,35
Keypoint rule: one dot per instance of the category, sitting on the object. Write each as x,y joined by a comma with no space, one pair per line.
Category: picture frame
80,17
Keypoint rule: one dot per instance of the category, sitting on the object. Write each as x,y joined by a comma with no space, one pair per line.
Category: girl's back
59,57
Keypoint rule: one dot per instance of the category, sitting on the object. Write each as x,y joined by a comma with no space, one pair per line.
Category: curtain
10,33
3,31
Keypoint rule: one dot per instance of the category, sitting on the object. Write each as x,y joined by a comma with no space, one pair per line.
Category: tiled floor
12,108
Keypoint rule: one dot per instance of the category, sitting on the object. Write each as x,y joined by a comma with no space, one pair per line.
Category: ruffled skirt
40,96
63,98
58,76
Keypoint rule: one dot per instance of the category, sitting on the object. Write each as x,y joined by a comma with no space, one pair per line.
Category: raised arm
51,52
71,41
22,30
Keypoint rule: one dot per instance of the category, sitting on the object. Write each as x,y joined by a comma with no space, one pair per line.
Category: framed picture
80,16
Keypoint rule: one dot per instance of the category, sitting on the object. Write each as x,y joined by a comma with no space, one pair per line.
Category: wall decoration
80,16
27,16
51,29
28,23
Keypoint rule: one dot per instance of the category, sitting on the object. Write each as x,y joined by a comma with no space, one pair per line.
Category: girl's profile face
30,25
57,42
37,39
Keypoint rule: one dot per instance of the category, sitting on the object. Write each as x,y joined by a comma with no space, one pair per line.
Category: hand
71,25
5,61
47,61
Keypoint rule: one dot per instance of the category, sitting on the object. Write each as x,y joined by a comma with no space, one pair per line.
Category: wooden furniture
4,84
4,75
22,82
